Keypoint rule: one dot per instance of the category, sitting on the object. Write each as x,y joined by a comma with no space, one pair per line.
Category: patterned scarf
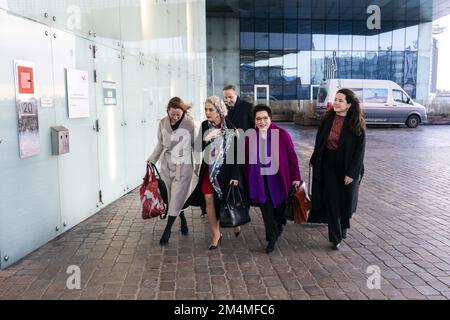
219,147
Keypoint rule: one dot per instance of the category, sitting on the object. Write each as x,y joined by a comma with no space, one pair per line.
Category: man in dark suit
239,111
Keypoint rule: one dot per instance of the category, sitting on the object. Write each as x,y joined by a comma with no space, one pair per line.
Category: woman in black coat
338,166
218,140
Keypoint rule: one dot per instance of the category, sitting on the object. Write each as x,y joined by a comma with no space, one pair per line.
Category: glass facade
293,53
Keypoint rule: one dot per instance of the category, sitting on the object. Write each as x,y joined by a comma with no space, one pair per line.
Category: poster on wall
27,109
77,85
109,93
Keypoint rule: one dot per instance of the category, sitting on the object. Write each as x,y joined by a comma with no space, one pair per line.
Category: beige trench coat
174,153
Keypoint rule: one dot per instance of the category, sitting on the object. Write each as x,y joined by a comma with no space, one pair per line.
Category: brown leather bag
301,204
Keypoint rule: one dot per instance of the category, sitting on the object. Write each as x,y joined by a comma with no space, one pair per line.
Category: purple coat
280,182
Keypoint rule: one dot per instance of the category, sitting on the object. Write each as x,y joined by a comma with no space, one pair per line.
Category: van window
372,95
400,96
321,97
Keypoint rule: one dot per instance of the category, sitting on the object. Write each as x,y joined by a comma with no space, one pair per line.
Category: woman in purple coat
272,170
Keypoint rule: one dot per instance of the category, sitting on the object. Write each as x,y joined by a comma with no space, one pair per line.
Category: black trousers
273,217
332,186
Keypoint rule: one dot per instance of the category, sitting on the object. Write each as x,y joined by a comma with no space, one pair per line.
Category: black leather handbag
235,210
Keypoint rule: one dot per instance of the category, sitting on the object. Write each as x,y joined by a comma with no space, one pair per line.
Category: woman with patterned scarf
218,139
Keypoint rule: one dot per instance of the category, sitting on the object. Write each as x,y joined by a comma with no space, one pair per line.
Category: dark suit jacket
242,116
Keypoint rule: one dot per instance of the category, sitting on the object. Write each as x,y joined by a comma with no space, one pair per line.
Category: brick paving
402,226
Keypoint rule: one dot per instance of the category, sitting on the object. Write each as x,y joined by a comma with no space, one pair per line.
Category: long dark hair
354,114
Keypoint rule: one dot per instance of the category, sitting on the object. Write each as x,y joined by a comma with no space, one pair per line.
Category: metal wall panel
78,170
29,187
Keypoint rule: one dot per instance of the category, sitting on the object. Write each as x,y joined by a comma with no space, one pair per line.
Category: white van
382,101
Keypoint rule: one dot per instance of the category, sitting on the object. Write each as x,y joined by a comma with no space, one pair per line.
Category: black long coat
350,162
228,171
242,117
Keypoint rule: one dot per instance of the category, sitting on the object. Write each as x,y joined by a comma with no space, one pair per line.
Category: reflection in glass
290,76
359,35
318,36
290,92
290,60
344,64
247,35
371,68
384,65
304,67
247,67
411,38
345,35
397,67
358,62
276,92
410,73
317,67
398,37
290,34
303,92
332,36
372,40
261,34
304,35
261,75
276,34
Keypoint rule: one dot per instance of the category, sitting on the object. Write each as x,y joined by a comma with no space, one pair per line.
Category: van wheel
412,121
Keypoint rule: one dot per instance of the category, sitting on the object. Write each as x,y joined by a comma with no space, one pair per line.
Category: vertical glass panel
290,34
345,9
303,92
319,9
372,41
332,35
397,67
318,34
358,59
276,34
386,36
371,69
72,15
290,60
399,10
247,67
276,92
410,73
290,9
304,9
247,93
290,93
261,34
412,38
344,65
345,35
261,75
104,19
304,67
261,67
304,35
247,35
384,65
276,9
290,76
398,36
262,9
276,67
359,35
317,67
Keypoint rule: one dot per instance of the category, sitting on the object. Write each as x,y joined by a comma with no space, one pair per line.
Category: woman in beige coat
174,152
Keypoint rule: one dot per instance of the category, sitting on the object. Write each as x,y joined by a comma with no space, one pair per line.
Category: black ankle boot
166,234
183,227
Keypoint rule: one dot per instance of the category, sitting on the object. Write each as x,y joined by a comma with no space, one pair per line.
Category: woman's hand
234,182
347,180
149,162
296,184
212,134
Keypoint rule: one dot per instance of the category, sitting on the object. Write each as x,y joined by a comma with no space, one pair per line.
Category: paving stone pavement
401,227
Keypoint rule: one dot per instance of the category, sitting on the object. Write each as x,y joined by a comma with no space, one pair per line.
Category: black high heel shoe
213,247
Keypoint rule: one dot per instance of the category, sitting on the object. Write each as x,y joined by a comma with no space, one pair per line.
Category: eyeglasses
262,118
210,109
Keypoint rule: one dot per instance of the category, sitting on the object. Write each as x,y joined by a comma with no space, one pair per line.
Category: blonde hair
218,104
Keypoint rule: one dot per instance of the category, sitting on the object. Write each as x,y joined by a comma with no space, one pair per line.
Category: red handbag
151,200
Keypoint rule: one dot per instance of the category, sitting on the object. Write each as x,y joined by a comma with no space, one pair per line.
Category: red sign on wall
26,80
